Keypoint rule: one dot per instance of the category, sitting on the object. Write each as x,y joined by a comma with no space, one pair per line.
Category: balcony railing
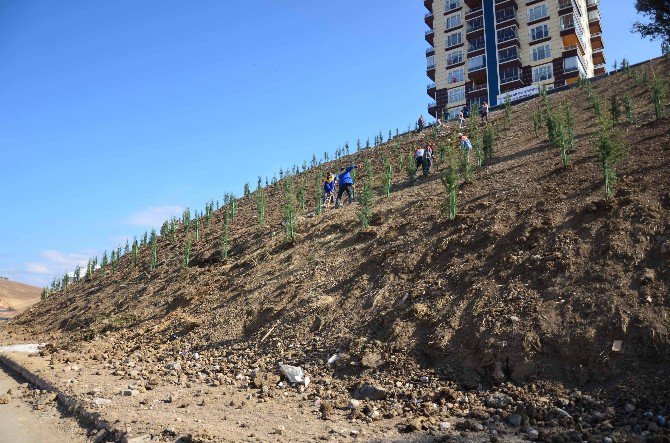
510,79
430,86
472,27
430,68
473,48
475,88
474,11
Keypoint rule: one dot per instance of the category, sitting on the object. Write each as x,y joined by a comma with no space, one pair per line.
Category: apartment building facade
486,50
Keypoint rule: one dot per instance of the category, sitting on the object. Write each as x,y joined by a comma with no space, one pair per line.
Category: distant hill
17,296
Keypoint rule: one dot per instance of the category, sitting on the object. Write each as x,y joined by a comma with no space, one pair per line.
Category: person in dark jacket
346,183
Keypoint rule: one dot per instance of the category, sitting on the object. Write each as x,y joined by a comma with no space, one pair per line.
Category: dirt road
19,424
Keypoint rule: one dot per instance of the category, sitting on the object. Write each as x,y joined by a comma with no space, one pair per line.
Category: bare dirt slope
18,296
531,284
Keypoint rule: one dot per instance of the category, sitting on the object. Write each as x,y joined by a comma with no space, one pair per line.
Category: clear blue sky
114,114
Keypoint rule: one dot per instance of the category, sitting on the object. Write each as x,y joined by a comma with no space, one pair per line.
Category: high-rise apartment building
484,50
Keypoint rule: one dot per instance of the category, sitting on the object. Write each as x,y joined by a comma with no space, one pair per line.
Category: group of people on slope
423,156
336,185
339,183
465,114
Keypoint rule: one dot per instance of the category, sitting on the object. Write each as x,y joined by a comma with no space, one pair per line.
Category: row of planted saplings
110,262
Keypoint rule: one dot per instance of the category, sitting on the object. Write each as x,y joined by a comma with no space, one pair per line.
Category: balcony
428,4
600,69
430,89
430,72
564,6
474,27
477,73
594,22
430,36
510,84
430,51
592,5
475,12
598,56
474,4
428,18
475,89
432,109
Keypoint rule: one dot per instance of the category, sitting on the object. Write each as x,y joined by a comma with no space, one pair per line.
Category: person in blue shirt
329,189
346,182
466,144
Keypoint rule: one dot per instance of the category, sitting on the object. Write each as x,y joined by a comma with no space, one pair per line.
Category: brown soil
18,296
524,293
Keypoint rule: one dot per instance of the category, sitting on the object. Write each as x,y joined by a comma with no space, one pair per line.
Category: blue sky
115,114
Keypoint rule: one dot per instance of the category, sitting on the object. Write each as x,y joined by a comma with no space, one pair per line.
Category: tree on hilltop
658,12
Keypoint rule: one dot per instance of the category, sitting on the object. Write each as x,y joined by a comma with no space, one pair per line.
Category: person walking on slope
418,157
466,145
485,112
420,123
427,158
461,119
346,183
329,189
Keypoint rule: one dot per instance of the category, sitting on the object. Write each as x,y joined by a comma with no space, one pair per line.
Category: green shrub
658,97
260,198
488,142
224,234
615,110
318,192
628,109
187,254
289,210
366,197
611,148
450,183
410,168
388,175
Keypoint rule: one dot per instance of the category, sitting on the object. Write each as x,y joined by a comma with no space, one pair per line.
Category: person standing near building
461,119
421,123
485,112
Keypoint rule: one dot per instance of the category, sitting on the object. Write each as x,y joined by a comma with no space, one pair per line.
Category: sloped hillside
18,296
533,281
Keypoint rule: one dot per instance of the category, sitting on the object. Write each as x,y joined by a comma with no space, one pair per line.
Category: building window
539,32
537,12
508,54
454,39
543,73
431,62
506,34
456,95
455,76
541,52
452,114
455,57
454,21
510,74
476,63
452,4
567,22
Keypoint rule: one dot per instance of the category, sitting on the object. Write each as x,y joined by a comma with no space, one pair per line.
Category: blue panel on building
491,51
